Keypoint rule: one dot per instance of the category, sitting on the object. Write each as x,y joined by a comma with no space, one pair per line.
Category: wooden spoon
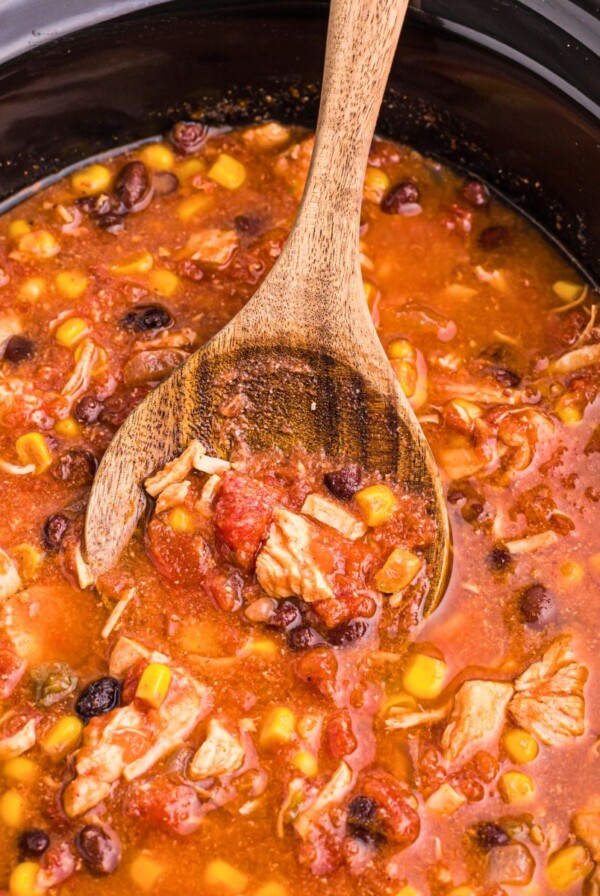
301,363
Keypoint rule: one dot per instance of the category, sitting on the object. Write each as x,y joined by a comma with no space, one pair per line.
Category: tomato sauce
309,731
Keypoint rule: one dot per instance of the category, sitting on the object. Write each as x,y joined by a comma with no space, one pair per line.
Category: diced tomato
347,606
243,514
184,558
162,802
340,736
318,667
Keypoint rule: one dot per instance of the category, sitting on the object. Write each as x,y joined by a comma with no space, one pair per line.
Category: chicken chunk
172,495
446,800
221,754
331,514
477,717
176,470
211,246
332,794
16,744
127,652
286,566
549,702
10,581
128,741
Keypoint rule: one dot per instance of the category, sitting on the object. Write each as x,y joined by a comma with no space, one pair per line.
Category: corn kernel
12,809
100,358
91,180
71,284
223,875
164,282
71,331
23,880
264,647
594,565
32,289
377,183
190,168
28,560
144,872
377,504
566,290
404,702
136,264
569,409
516,787
401,350
370,291
277,728
17,229
571,573
305,762
21,769
423,676
31,448
181,520
199,202
158,157
63,737
406,374
68,428
567,866
463,890
153,685
398,571
521,746
39,244
227,172
271,889
408,891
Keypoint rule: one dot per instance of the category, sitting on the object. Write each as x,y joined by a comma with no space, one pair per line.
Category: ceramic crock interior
449,95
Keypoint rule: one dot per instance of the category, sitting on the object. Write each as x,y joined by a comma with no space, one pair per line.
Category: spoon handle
361,41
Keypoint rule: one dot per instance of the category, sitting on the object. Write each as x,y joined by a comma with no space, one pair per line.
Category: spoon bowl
301,364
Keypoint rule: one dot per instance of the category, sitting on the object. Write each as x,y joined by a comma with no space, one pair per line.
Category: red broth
355,748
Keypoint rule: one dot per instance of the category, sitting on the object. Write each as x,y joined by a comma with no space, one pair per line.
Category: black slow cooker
507,90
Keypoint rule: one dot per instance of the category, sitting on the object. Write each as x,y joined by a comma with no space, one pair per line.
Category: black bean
494,238
99,849
476,193
345,634
507,378
33,843
304,637
54,531
98,698
500,558
18,348
247,224
286,615
111,222
404,193
361,809
345,482
88,409
133,186
146,317
188,136
536,605
488,834
164,182
76,465
456,494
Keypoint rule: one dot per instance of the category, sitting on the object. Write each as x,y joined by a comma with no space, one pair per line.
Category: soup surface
251,702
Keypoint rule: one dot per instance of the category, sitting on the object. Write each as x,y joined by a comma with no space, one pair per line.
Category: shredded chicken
267,136
549,702
210,488
84,574
531,543
117,612
285,566
10,325
212,466
127,652
332,794
445,800
172,495
81,376
477,717
221,754
211,246
168,339
10,580
331,514
128,741
176,470
578,358
18,743
400,718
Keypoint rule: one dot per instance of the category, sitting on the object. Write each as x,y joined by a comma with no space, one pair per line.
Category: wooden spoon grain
301,363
